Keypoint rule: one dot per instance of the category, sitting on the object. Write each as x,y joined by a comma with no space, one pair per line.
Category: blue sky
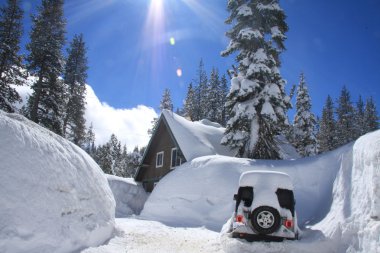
131,59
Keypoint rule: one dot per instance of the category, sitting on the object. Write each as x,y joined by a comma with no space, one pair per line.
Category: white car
265,208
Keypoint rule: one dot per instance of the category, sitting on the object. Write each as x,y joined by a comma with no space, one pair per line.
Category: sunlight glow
179,72
172,41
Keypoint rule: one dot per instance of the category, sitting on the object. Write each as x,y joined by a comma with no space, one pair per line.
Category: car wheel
265,220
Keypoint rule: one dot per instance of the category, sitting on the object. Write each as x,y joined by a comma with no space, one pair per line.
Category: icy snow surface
53,196
129,196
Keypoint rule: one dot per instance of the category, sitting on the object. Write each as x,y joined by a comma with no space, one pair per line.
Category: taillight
288,223
239,218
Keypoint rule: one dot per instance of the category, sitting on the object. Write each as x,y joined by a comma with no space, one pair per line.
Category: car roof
266,179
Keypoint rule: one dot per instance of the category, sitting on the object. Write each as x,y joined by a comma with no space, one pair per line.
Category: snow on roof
197,139
266,179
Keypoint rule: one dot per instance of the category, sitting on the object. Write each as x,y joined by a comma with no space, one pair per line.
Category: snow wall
130,196
54,197
338,192
354,217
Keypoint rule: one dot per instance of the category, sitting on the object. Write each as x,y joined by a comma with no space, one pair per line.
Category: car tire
265,220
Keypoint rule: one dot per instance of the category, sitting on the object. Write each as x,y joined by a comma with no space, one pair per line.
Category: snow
270,180
140,236
196,138
129,195
244,10
54,197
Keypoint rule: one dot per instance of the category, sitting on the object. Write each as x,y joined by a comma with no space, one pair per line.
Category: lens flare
172,41
179,72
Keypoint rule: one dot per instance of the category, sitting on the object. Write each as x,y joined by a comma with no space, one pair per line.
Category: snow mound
129,196
54,197
200,192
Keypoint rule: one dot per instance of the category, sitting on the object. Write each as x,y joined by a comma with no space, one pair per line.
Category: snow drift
54,197
129,196
339,192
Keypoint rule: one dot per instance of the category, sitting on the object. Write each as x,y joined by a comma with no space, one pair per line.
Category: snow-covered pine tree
45,61
257,101
75,76
223,99
305,139
212,102
11,66
134,160
327,128
166,101
200,89
189,103
89,142
359,118
370,115
345,125
165,104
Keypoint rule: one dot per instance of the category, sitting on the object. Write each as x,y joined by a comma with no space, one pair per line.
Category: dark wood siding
161,142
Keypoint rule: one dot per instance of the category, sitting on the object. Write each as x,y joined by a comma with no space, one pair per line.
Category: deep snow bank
129,196
54,197
199,193
354,218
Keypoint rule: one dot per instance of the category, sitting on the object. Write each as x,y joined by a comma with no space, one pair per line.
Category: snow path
141,236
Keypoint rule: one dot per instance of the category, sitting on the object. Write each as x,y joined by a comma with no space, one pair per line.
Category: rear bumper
258,237
245,232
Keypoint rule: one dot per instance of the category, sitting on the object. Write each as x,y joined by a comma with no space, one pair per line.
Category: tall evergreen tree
359,118
45,61
89,142
10,60
304,125
345,118
166,101
257,100
189,103
327,128
212,95
200,89
223,100
370,115
75,77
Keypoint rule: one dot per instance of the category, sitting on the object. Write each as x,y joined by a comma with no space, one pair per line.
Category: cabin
176,141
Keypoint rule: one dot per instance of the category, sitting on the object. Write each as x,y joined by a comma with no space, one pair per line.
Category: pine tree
200,98
327,128
75,77
370,116
45,61
212,104
345,118
223,99
304,125
134,159
359,118
10,61
189,104
257,101
165,104
166,101
89,142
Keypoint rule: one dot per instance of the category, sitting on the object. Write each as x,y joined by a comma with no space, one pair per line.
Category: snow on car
265,207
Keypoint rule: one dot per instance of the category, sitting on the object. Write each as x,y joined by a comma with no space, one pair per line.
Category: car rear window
286,199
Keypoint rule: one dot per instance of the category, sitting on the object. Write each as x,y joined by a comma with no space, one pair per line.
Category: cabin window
176,159
160,159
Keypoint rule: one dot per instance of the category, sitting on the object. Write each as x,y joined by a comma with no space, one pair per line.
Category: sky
136,48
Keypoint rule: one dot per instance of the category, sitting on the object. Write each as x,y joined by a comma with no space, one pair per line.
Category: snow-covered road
134,235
